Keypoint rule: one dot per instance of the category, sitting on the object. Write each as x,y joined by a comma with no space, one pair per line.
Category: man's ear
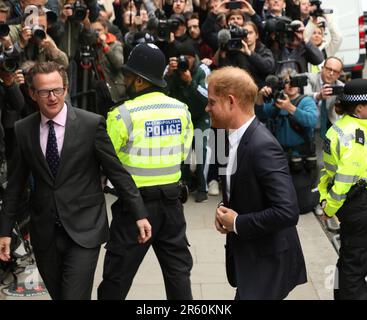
231,99
359,108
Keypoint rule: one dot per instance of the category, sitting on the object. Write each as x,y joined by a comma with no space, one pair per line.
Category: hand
86,21
247,8
5,248
186,76
6,41
49,45
102,39
264,92
25,35
245,49
207,61
221,7
171,37
145,230
226,218
285,104
19,77
325,92
219,226
172,66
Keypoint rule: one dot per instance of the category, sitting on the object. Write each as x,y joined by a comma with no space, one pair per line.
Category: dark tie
52,154
323,119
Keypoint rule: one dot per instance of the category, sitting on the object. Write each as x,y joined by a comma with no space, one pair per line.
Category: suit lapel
71,131
241,150
37,145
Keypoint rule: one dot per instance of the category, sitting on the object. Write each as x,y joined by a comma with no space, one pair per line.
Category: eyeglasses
332,70
45,93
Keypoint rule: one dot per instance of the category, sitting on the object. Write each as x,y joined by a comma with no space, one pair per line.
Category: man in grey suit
320,88
63,148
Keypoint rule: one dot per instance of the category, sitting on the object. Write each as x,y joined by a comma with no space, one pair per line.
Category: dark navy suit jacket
264,260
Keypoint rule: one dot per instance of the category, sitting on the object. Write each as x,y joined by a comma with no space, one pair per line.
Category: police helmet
147,61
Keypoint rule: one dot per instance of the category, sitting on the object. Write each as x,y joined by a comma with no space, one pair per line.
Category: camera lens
4,30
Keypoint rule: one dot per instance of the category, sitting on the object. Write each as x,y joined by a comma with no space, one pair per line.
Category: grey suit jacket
76,192
314,86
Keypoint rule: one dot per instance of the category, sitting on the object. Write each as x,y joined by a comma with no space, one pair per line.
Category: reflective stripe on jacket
152,134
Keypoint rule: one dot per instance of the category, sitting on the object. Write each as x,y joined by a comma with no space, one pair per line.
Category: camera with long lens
7,63
4,29
237,35
165,26
79,11
38,32
182,63
319,12
283,28
88,37
277,84
88,42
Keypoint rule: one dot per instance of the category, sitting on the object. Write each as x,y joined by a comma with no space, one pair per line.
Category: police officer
343,189
152,134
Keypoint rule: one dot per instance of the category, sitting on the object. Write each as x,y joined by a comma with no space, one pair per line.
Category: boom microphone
223,36
271,81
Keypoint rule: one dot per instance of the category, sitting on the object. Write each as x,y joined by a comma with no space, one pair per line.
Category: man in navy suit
259,212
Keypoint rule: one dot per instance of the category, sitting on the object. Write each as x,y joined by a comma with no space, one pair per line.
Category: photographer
11,104
75,21
244,50
171,33
322,32
33,42
109,61
293,118
222,14
289,44
17,9
185,78
320,87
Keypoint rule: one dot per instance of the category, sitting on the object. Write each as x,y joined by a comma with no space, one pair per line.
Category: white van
348,18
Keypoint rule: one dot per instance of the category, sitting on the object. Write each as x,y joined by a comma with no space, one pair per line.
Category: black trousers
66,268
124,254
352,263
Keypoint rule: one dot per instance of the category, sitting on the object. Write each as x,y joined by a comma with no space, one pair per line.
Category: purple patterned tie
52,154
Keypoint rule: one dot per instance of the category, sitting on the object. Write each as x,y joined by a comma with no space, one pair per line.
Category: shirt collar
60,118
235,136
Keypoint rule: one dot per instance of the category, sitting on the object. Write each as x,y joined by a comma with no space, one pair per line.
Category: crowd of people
143,68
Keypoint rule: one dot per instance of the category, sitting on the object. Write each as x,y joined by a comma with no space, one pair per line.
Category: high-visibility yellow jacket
152,134
345,161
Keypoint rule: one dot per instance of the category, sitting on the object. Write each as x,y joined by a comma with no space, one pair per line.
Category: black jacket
264,260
